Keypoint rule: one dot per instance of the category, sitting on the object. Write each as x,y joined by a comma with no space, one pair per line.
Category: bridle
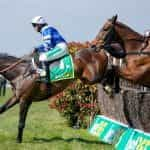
109,35
106,39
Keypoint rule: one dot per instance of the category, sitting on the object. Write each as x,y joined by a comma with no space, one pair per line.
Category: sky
77,20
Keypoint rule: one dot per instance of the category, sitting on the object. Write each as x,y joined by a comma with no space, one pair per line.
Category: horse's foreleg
10,103
24,107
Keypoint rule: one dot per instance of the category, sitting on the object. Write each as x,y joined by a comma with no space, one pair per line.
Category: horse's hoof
2,109
76,127
19,141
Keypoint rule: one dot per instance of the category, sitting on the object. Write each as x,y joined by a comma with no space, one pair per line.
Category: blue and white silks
53,47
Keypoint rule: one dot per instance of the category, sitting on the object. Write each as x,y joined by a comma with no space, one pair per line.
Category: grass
45,130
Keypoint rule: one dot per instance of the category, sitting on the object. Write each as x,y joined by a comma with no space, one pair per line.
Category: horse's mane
129,29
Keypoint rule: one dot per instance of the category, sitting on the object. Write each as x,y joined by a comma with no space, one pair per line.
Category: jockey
53,46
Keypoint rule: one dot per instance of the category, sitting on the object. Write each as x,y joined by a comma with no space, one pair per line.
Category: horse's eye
106,27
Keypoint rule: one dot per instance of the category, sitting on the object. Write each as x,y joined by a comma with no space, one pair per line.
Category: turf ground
45,129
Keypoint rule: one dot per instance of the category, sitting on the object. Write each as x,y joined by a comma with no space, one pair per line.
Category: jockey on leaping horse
89,67
53,47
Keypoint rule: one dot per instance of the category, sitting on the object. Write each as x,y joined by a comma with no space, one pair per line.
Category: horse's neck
131,39
12,73
133,45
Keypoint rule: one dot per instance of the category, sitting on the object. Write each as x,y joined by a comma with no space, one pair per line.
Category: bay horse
136,46
89,67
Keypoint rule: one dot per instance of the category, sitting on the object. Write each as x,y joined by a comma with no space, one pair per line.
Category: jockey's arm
51,53
45,46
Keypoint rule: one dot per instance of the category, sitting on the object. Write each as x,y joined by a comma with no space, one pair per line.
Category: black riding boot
45,66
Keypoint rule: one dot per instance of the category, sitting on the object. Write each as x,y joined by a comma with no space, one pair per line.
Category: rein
98,49
15,64
138,53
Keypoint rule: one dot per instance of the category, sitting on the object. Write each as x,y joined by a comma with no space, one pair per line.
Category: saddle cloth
61,69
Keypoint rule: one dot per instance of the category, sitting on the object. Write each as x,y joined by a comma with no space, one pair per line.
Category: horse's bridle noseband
106,39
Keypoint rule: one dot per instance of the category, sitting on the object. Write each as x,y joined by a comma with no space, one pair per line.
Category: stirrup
42,76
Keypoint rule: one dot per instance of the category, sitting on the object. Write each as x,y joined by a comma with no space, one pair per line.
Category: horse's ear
114,19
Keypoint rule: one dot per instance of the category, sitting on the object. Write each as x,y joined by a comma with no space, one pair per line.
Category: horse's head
108,32
114,31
